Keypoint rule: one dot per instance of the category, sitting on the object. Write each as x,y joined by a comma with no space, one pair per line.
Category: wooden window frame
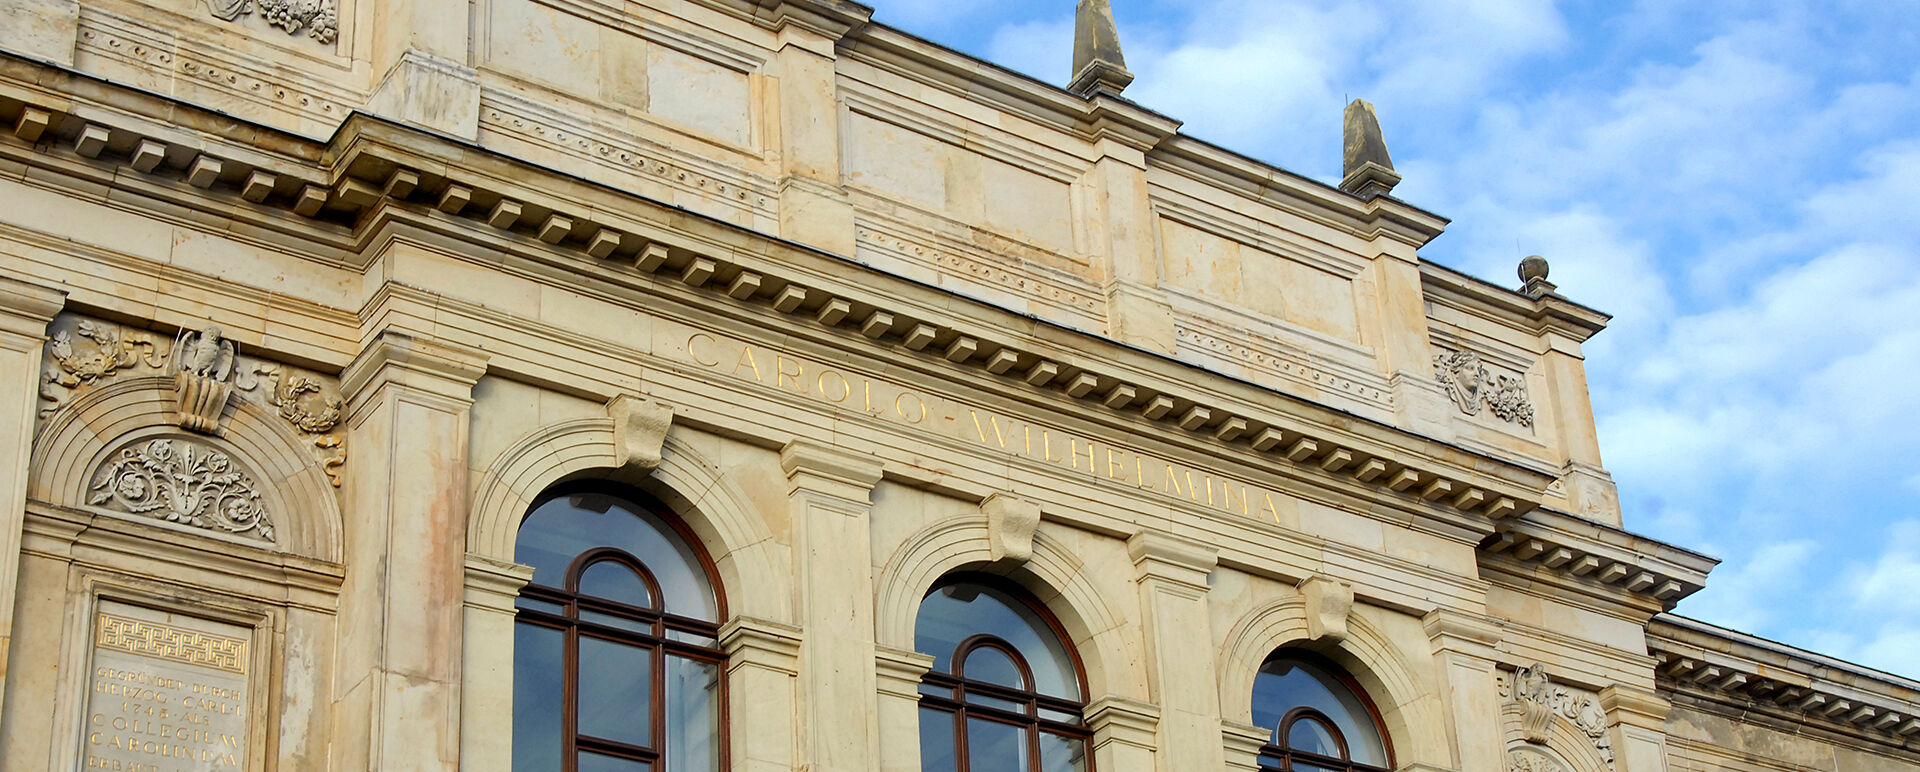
1286,756
659,639
950,693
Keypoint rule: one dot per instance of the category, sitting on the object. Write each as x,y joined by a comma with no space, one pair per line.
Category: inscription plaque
167,692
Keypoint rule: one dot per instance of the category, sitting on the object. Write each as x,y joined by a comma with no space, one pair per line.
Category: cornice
1595,558
374,166
1383,216
1714,665
1547,313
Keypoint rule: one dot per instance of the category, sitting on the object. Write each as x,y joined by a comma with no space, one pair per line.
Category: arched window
616,666
1005,693
1320,718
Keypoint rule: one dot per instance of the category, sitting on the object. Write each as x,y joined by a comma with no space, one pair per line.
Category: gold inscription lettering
696,357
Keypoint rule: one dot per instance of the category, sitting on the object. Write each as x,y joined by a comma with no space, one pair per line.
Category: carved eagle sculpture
205,354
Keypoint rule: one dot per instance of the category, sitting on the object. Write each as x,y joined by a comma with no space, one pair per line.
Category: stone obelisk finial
1369,170
1098,64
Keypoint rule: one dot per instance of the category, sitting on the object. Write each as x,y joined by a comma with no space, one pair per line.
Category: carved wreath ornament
181,482
1470,385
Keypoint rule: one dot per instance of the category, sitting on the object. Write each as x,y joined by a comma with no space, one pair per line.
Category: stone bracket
1011,522
1329,603
639,432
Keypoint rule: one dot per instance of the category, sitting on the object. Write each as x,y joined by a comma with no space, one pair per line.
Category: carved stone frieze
1541,700
319,19
1471,385
208,371
179,481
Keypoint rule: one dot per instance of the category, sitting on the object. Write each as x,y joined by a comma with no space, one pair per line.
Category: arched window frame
659,639
1276,756
950,692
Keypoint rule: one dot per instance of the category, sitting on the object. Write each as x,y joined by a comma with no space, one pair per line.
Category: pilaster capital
1115,719
762,643
1634,706
1174,559
25,310
1242,743
899,671
1461,633
493,584
438,368
827,470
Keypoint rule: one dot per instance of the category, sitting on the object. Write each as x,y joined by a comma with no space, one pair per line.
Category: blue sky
1737,182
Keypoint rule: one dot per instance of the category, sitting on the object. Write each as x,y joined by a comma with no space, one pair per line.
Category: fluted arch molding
81,436
1566,743
1055,576
1367,654
752,568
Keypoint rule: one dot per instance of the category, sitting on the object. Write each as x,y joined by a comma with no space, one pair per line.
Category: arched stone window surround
1055,577
752,567
290,606
1413,721
1565,742
84,433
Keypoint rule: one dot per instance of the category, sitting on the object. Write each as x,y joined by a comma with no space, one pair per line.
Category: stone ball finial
1533,267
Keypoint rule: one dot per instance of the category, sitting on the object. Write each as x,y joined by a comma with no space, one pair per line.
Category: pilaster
1464,656
763,661
899,673
420,68
397,696
1121,230
814,208
830,492
1590,490
42,29
25,311
1405,352
486,667
1123,734
1636,723
1241,744
1172,575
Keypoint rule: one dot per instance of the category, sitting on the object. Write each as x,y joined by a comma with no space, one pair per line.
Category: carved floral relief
180,481
1471,385
320,19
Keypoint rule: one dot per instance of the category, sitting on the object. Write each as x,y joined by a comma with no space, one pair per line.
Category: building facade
748,385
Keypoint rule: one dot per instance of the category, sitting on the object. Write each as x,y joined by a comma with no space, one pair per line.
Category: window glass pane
538,679
624,623
996,747
540,605
615,582
693,716
1285,683
1061,754
993,666
594,762
953,613
936,742
616,683
1060,716
976,698
566,526
1311,736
